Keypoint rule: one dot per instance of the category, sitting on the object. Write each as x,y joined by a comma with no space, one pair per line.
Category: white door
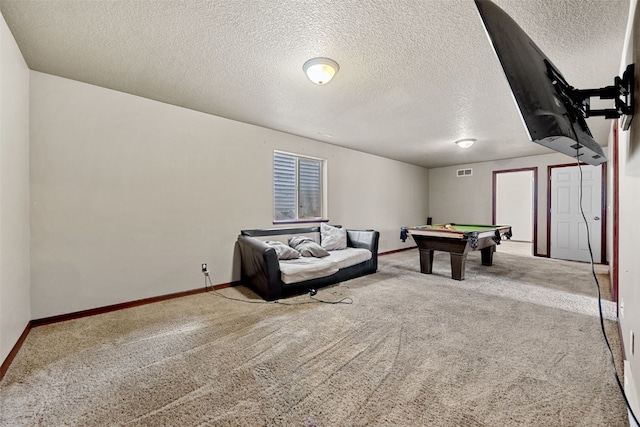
568,231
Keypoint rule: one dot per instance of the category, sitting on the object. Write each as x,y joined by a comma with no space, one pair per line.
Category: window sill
299,221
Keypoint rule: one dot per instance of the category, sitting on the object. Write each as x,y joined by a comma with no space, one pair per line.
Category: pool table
458,240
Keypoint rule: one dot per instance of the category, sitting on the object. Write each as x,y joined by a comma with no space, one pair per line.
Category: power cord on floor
206,276
312,293
595,278
345,300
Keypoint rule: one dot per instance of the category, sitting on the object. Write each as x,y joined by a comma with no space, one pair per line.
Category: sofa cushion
332,238
348,257
282,250
301,269
307,247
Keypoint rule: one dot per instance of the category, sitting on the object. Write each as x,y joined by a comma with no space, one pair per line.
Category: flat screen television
550,117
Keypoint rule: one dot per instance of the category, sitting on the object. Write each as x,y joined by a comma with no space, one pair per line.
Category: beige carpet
515,344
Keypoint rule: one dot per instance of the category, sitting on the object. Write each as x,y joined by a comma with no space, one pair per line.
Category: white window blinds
297,187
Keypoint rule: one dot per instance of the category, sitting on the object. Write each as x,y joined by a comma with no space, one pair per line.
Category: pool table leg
426,261
457,266
487,254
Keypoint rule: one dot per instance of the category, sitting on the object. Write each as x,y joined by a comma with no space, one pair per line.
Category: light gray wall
469,199
130,196
629,227
15,311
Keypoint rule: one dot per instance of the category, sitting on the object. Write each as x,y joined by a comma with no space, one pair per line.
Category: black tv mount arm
622,92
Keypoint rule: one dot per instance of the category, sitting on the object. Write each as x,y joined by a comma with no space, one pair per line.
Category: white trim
630,391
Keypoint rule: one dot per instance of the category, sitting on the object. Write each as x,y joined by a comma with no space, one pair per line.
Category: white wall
15,310
130,195
469,199
629,228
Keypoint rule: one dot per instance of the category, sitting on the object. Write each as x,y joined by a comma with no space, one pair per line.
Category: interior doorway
571,185
515,203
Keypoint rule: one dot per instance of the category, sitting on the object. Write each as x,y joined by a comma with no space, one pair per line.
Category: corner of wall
15,304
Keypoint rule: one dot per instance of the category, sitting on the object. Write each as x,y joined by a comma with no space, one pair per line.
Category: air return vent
464,172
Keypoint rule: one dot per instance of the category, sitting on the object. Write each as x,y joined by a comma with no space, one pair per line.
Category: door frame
615,246
603,209
535,200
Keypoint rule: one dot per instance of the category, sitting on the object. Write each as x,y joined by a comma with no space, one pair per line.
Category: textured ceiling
414,75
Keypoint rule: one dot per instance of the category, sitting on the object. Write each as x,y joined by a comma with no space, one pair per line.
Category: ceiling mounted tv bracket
622,92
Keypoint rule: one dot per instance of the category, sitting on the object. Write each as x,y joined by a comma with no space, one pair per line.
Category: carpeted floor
515,344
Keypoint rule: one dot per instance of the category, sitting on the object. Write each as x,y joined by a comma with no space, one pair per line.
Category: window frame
323,189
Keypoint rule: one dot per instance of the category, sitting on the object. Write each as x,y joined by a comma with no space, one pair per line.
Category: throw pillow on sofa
307,247
283,251
332,238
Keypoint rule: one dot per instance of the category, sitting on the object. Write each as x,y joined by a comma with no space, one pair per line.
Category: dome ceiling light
465,143
320,70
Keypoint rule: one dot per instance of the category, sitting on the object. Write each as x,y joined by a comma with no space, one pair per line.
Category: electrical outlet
621,308
204,268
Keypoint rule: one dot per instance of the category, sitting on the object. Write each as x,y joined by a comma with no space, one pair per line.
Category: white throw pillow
307,247
283,251
333,238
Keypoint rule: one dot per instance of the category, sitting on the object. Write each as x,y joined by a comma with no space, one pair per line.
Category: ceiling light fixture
320,70
465,143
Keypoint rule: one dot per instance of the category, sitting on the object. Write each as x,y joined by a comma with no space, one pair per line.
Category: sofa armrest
366,239
260,267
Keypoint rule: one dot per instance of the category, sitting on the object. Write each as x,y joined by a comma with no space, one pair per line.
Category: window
298,190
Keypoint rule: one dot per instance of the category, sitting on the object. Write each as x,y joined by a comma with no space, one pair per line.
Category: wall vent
464,172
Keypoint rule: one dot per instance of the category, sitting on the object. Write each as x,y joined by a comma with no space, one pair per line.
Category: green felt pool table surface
465,228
